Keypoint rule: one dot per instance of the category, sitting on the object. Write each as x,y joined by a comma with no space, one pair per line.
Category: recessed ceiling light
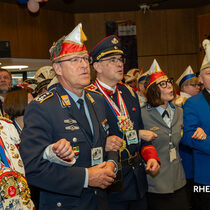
14,67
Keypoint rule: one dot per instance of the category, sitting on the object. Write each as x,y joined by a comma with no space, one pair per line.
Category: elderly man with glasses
189,86
68,112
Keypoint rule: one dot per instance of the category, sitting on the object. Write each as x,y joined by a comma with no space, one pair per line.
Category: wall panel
8,25
181,31
31,35
151,33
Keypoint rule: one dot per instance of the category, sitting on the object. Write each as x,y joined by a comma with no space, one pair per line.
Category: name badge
172,153
96,156
132,137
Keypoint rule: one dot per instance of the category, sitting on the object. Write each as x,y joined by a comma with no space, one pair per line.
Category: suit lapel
72,109
206,95
157,117
175,118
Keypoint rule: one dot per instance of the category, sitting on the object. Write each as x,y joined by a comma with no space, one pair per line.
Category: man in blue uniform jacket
124,117
69,112
197,114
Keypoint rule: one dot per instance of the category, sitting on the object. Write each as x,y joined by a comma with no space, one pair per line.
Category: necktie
84,116
165,113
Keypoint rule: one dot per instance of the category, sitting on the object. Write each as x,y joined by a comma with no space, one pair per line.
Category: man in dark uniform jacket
124,117
68,112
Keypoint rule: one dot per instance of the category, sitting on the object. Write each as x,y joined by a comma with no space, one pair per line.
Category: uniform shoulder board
44,97
179,101
92,88
6,119
121,83
131,90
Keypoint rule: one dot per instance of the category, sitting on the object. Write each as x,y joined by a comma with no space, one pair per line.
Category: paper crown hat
206,60
43,73
187,74
155,73
70,44
142,76
131,75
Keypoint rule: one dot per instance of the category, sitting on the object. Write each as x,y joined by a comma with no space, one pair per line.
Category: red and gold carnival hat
70,44
155,73
131,75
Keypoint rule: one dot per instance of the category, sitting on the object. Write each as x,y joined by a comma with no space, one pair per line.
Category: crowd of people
125,141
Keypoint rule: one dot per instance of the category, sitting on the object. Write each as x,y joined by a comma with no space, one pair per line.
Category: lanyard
113,106
121,114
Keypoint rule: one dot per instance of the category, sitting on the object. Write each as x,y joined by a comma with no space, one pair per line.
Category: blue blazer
47,120
197,114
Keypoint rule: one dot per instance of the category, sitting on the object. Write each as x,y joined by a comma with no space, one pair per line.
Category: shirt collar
185,94
74,96
169,108
107,86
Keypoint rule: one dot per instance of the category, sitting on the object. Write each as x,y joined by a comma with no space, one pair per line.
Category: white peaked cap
154,67
206,60
77,35
187,74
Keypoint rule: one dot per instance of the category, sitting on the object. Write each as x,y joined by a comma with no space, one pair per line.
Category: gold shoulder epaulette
92,88
179,101
131,90
121,83
6,119
44,97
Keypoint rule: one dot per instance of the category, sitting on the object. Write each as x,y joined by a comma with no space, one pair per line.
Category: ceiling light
15,67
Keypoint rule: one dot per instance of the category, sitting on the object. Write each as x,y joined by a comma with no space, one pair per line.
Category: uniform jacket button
59,204
74,139
96,192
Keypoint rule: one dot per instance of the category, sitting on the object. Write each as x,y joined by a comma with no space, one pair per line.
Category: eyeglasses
76,60
194,85
164,84
114,60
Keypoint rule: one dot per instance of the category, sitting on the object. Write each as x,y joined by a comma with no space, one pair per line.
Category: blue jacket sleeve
36,136
191,122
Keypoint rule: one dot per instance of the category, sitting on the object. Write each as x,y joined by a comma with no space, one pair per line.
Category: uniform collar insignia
90,98
65,100
70,121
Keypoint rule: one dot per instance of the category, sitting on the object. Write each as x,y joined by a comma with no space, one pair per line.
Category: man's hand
153,167
110,165
147,135
113,143
63,150
101,175
199,134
